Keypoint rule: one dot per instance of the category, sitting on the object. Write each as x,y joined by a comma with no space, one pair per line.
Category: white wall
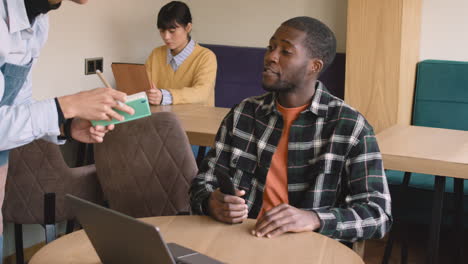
113,29
252,22
125,31
444,33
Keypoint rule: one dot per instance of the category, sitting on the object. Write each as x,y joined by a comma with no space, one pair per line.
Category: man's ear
315,66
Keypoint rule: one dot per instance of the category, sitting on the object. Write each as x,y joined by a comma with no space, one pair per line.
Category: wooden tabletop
436,151
200,122
227,243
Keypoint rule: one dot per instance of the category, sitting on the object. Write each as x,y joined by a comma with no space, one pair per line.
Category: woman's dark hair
172,13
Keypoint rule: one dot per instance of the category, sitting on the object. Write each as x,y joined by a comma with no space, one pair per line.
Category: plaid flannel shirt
334,164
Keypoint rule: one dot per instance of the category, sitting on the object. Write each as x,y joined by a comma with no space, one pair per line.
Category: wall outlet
93,64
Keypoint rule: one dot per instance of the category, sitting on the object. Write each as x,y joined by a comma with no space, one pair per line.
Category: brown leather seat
145,167
38,179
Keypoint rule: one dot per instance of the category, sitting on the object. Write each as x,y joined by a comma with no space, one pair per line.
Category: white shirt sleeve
21,124
25,120
4,50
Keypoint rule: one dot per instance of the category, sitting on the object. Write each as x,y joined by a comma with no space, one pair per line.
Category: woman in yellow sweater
181,71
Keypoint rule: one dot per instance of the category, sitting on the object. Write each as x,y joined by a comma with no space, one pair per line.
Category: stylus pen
104,81
101,76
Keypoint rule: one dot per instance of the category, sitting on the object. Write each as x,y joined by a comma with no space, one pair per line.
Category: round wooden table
226,243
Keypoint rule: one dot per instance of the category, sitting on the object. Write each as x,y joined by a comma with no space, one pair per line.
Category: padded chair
38,179
441,100
146,166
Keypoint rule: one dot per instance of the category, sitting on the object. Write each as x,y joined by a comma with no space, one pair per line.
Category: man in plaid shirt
300,158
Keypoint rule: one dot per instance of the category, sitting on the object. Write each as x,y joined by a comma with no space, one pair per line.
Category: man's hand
154,95
227,208
95,104
285,218
83,131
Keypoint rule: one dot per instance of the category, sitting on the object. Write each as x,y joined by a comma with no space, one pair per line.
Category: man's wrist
315,221
66,105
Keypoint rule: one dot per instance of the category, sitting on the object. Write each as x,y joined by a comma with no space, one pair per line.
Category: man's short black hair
320,40
172,13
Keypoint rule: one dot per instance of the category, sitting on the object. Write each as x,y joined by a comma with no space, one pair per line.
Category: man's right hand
228,208
95,104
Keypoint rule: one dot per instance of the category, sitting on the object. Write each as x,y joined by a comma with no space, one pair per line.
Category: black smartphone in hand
225,183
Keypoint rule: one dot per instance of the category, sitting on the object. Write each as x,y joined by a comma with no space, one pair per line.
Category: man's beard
280,86
284,86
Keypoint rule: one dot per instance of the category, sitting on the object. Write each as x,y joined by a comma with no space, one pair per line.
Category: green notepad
138,101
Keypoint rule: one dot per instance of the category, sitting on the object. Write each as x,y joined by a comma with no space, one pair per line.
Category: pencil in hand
104,81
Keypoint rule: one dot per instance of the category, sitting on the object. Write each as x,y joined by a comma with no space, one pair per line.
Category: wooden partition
382,51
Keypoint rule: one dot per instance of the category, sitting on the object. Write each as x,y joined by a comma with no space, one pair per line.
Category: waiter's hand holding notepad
138,101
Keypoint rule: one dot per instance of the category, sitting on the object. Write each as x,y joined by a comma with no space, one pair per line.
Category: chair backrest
39,168
145,167
441,97
239,74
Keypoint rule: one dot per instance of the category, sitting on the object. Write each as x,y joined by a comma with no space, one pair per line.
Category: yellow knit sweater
194,80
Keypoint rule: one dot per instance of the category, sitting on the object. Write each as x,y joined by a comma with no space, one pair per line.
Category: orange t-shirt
276,186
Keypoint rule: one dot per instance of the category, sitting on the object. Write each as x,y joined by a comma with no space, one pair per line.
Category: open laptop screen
118,238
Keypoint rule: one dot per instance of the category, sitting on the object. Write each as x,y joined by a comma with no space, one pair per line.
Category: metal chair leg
389,247
459,227
406,180
89,159
70,226
19,243
49,217
404,237
434,232
81,155
404,244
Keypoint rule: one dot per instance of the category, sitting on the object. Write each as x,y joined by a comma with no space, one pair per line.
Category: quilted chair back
39,168
145,167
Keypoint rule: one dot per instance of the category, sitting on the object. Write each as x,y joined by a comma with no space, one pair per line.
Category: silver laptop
118,238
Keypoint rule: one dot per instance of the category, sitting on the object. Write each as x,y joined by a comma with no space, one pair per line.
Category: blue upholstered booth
240,74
